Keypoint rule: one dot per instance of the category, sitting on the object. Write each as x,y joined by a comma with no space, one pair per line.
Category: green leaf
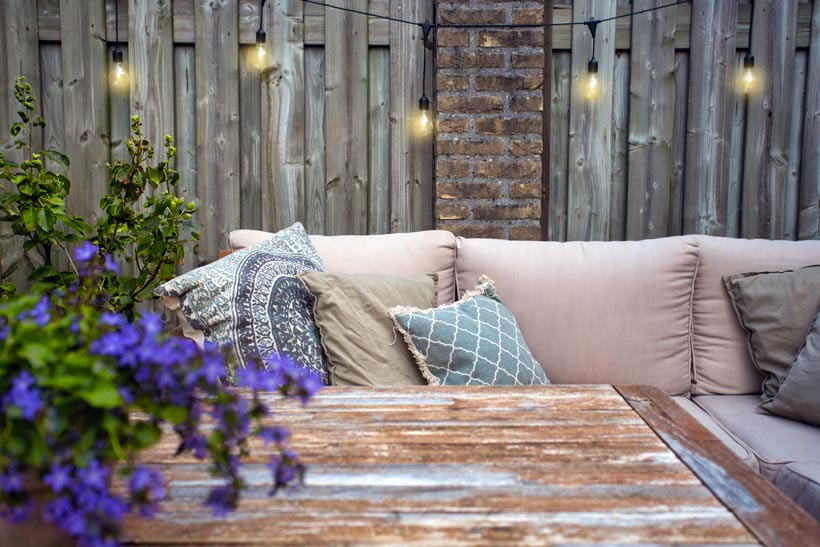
102,396
146,434
37,355
58,157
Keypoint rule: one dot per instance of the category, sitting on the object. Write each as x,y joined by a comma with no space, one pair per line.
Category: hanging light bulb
424,123
747,77
118,78
260,54
592,85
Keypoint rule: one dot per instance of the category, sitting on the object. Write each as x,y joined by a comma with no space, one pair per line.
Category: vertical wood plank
283,107
315,140
737,141
651,113
795,134
150,50
378,209
590,133
185,132
51,97
546,119
678,174
217,131
85,92
119,118
559,133
809,213
411,158
709,116
765,166
620,147
250,141
346,120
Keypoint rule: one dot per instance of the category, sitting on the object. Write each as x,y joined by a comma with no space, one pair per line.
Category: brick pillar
489,102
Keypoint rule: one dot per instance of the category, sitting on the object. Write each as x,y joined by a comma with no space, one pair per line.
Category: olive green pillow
356,333
776,309
799,395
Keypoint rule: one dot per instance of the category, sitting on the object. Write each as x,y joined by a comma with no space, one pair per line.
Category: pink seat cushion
720,353
594,312
431,251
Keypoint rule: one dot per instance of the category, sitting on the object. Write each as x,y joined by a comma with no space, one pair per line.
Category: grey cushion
799,394
775,441
801,482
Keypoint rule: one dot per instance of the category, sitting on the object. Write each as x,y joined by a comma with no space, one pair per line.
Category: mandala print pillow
252,302
475,341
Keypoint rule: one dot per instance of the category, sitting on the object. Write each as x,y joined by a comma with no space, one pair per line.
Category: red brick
470,104
450,211
508,169
507,212
510,38
471,16
527,233
460,59
459,125
450,168
448,37
523,190
468,190
508,126
452,83
527,148
474,230
527,104
527,60
527,15
529,82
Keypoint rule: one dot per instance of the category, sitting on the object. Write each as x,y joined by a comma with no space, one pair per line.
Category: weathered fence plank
378,210
766,162
736,147
217,131
590,132
620,147
315,140
85,94
119,123
185,132
51,99
346,162
283,107
809,206
709,116
150,48
792,192
678,173
651,116
411,157
559,132
250,141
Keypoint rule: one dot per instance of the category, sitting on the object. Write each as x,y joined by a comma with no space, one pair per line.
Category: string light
260,54
592,83
424,123
118,77
747,77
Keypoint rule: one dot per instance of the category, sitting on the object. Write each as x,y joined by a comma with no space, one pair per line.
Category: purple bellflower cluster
71,377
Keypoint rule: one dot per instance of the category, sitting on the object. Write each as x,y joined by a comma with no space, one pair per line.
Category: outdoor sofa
623,312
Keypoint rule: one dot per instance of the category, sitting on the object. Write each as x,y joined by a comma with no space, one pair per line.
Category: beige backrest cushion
431,251
721,361
593,312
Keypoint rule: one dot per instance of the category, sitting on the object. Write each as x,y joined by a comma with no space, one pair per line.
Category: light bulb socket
261,37
749,61
424,103
592,66
116,55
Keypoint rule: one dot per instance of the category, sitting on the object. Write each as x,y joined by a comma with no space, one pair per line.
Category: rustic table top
486,466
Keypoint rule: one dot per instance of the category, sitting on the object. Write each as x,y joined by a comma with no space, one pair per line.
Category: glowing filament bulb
424,124
119,73
260,56
592,86
747,82
261,53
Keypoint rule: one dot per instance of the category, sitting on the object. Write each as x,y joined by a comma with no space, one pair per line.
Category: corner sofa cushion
357,335
473,342
595,312
775,441
799,394
801,482
431,251
720,354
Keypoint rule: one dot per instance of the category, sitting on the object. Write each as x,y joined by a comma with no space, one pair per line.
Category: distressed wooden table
559,465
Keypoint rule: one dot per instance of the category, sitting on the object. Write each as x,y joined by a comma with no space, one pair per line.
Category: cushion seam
798,473
693,376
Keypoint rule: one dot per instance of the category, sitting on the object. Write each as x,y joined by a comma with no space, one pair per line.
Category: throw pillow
797,397
475,341
775,309
357,335
252,302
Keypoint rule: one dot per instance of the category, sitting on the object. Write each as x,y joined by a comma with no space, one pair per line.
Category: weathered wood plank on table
467,466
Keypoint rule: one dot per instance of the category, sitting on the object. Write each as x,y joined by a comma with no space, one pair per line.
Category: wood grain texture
772,517
678,174
651,115
559,134
346,164
250,145
809,207
119,119
546,127
217,132
411,157
766,162
792,191
51,100
185,133
620,147
590,128
737,141
85,99
150,50
443,466
315,140
709,116
283,107
378,97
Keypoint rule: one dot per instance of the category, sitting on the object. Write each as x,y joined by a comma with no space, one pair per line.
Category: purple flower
4,329
274,434
11,481
222,500
111,264
286,468
59,478
146,490
40,313
151,324
16,513
110,319
24,395
85,252
213,368
93,476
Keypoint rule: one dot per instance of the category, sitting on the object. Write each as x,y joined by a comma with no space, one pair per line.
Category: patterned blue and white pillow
252,301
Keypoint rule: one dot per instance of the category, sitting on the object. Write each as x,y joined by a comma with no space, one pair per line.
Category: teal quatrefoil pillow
475,341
